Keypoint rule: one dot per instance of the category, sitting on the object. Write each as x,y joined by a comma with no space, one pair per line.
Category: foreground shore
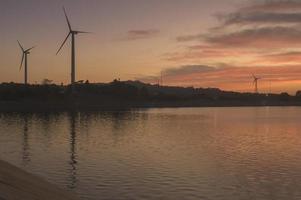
16,184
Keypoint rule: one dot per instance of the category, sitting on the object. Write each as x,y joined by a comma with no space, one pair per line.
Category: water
186,153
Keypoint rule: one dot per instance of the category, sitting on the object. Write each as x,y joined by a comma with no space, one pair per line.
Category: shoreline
119,106
16,184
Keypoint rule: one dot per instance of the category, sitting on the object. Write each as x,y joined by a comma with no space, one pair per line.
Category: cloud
201,52
290,57
141,34
267,25
265,22
188,69
273,5
187,38
266,37
273,11
261,18
178,71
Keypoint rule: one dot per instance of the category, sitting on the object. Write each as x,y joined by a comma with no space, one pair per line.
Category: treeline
134,94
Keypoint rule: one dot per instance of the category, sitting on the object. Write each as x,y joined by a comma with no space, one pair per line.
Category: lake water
170,154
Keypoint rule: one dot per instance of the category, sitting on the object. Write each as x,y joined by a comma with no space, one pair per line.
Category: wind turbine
161,78
255,82
71,33
24,58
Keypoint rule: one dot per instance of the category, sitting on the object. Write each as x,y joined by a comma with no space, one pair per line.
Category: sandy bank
16,184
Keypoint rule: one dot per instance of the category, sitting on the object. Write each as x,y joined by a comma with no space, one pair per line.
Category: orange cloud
197,52
267,37
281,58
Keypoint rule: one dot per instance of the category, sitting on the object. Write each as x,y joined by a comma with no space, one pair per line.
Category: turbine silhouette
255,82
161,79
25,53
71,33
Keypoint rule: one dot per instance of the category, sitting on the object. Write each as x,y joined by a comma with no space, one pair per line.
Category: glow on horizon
225,41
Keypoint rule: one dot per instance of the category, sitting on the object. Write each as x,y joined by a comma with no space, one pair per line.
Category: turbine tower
255,82
161,79
24,59
71,33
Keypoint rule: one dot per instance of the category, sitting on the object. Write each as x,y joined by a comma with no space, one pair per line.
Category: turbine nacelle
78,32
256,78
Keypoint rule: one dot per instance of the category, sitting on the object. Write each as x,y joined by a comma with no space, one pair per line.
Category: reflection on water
25,152
189,153
73,161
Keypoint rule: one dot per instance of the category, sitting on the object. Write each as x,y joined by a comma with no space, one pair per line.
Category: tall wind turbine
24,58
71,33
255,82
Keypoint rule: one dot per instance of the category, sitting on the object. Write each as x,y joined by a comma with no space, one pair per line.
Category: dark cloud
261,17
266,37
266,21
187,38
272,5
179,71
273,11
141,34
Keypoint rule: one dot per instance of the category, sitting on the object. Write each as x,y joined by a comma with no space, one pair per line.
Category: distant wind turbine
71,33
24,59
161,79
255,82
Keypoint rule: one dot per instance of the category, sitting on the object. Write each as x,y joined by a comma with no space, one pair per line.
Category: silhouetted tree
46,81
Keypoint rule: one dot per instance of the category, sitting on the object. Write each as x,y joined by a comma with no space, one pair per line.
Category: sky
200,43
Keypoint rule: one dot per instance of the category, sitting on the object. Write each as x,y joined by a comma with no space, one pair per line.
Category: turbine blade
20,46
68,22
30,48
63,43
22,61
83,32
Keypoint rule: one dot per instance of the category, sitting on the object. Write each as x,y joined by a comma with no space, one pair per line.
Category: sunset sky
201,43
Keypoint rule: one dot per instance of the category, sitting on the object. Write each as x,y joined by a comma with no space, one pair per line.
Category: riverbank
16,184
112,105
